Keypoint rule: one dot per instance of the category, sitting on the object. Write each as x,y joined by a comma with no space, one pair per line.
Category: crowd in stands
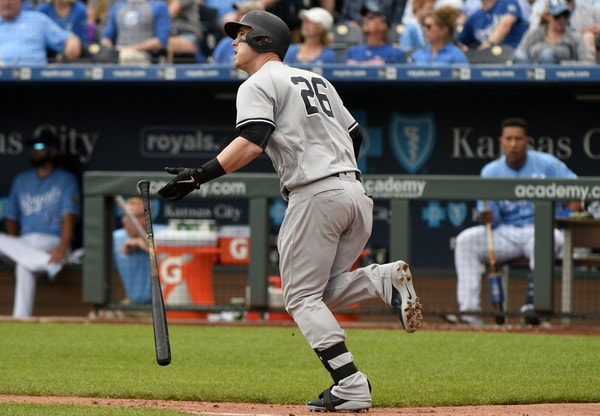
355,32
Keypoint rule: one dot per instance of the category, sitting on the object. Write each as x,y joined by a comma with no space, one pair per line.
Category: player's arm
59,254
11,226
506,23
242,150
357,138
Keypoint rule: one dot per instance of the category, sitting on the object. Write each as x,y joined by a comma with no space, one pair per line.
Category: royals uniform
513,228
38,205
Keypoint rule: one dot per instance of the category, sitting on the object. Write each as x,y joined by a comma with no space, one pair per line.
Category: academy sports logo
412,138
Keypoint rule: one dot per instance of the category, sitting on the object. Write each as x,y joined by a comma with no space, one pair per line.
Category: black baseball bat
494,278
159,317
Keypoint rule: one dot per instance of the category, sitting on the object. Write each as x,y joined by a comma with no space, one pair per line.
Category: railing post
543,276
258,268
400,230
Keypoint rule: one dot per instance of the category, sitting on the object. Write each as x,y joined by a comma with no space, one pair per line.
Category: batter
299,120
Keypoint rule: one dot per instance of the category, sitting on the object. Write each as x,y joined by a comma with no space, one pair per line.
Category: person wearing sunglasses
439,26
41,215
553,42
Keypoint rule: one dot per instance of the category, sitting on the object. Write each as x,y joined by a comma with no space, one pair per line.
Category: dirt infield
247,409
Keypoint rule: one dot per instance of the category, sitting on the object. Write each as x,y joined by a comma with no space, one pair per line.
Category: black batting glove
186,181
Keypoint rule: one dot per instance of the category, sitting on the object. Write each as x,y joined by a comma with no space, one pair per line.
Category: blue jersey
448,55
481,24
375,55
24,40
75,21
327,56
538,165
134,268
412,37
39,204
223,52
131,22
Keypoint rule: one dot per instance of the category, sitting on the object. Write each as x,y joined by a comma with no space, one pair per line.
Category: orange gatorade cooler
234,241
186,259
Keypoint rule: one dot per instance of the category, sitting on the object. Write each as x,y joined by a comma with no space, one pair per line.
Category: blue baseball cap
44,139
556,7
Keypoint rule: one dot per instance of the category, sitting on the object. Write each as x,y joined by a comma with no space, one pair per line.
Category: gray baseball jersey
311,139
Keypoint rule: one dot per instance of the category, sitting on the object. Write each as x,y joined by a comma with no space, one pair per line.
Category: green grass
276,365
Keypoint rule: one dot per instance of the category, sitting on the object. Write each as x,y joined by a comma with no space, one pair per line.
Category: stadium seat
494,55
344,36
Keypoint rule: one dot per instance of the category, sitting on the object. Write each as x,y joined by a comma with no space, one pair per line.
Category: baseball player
43,208
299,120
512,221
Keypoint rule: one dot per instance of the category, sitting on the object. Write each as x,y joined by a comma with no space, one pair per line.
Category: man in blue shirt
26,35
498,22
130,252
138,29
376,50
43,209
512,221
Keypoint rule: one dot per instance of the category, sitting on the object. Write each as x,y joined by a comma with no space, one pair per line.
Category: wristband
209,171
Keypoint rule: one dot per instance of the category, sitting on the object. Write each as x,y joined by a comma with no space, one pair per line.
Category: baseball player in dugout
512,222
42,212
299,120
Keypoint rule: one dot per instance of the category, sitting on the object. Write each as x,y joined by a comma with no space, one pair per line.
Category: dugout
140,119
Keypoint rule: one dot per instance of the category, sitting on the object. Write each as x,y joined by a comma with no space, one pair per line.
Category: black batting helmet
268,33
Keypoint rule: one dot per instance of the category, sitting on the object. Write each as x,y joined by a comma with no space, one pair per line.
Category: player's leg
29,250
25,285
316,216
469,253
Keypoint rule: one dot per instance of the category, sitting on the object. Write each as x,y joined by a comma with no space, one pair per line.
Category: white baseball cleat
404,298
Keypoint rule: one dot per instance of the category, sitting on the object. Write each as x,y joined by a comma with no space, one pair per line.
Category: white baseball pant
471,252
30,254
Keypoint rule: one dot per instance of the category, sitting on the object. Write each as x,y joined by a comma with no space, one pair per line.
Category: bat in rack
162,344
494,278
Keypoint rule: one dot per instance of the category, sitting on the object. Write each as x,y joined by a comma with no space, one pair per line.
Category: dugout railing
100,187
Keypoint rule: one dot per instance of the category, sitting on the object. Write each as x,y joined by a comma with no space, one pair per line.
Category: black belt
357,175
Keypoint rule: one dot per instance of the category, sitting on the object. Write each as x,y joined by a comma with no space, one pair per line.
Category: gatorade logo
170,268
239,248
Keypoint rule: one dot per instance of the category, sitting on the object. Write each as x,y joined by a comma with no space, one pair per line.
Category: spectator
497,22
138,29
413,37
130,252
186,30
26,35
289,11
351,11
377,50
439,33
553,42
409,16
97,12
585,19
71,15
223,52
42,212
512,221
224,7
316,35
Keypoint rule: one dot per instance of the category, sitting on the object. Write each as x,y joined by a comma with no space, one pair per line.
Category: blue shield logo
457,213
412,138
